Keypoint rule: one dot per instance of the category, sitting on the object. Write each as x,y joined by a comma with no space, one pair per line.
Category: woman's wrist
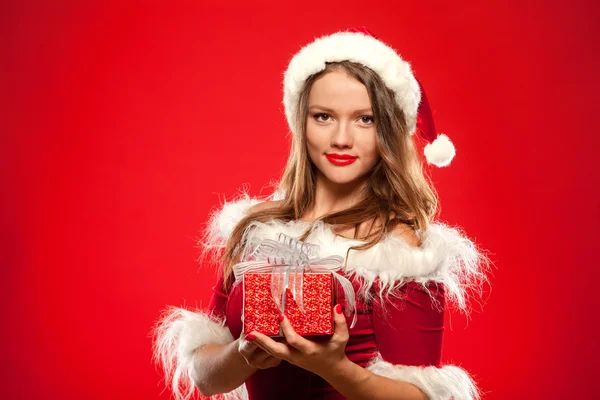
239,359
344,373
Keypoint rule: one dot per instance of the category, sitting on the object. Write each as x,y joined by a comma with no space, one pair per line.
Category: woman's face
339,125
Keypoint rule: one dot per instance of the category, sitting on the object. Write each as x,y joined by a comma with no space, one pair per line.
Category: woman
353,185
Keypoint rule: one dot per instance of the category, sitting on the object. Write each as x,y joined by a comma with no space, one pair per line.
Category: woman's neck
331,197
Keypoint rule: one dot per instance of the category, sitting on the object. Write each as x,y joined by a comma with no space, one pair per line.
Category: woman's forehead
338,90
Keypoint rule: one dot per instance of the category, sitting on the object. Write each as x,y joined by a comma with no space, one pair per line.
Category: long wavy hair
397,189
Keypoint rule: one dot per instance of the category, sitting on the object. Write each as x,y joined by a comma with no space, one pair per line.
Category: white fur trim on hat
440,152
177,335
445,383
357,47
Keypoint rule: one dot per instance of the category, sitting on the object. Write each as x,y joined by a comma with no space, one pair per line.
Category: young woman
353,185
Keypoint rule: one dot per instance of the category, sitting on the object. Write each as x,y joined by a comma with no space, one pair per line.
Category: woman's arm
196,350
408,330
178,336
356,383
219,368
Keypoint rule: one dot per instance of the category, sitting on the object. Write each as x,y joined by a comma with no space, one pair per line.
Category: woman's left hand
312,356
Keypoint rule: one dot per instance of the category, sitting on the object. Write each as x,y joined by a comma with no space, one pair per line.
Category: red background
122,126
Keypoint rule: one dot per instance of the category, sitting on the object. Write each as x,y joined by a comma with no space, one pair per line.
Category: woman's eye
367,119
321,117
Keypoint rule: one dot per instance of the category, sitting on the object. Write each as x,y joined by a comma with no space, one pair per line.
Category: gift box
260,313
288,276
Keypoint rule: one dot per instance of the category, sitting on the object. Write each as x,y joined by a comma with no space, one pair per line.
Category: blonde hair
397,190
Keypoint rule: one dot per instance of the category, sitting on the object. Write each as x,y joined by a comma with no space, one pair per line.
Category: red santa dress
401,292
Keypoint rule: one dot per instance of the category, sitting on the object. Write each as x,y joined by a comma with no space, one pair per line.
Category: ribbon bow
287,259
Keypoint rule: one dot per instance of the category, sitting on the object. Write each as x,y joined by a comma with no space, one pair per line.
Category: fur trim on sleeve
445,383
177,335
446,256
460,265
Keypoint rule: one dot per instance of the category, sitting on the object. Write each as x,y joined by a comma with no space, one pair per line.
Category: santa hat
360,46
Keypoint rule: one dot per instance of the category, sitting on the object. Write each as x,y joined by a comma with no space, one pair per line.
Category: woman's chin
342,179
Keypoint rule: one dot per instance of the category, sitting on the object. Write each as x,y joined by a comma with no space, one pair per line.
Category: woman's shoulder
440,255
406,233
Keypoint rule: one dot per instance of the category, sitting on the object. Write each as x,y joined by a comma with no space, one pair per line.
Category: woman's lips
340,159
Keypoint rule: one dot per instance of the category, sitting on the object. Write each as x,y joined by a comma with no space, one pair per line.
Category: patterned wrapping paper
261,314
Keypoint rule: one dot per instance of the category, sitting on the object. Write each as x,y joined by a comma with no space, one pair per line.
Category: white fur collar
446,256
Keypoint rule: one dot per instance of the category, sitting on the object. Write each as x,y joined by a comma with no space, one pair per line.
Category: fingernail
338,309
281,317
250,337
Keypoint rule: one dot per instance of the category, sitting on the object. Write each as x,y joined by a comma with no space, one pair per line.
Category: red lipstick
340,159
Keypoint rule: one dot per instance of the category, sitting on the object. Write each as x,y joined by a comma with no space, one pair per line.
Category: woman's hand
254,355
312,356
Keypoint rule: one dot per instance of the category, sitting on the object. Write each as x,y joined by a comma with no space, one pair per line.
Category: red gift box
261,314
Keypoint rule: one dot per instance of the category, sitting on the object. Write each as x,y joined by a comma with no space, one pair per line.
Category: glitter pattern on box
261,313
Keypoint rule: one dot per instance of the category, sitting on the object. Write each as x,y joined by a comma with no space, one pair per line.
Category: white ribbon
287,259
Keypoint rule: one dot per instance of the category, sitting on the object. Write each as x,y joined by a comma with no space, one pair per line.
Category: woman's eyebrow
329,110
322,108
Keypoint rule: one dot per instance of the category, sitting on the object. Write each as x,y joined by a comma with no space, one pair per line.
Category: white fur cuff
448,382
177,335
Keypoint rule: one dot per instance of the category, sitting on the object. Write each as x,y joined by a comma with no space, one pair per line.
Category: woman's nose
342,136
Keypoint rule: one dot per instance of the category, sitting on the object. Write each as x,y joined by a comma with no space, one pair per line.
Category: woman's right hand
255,356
